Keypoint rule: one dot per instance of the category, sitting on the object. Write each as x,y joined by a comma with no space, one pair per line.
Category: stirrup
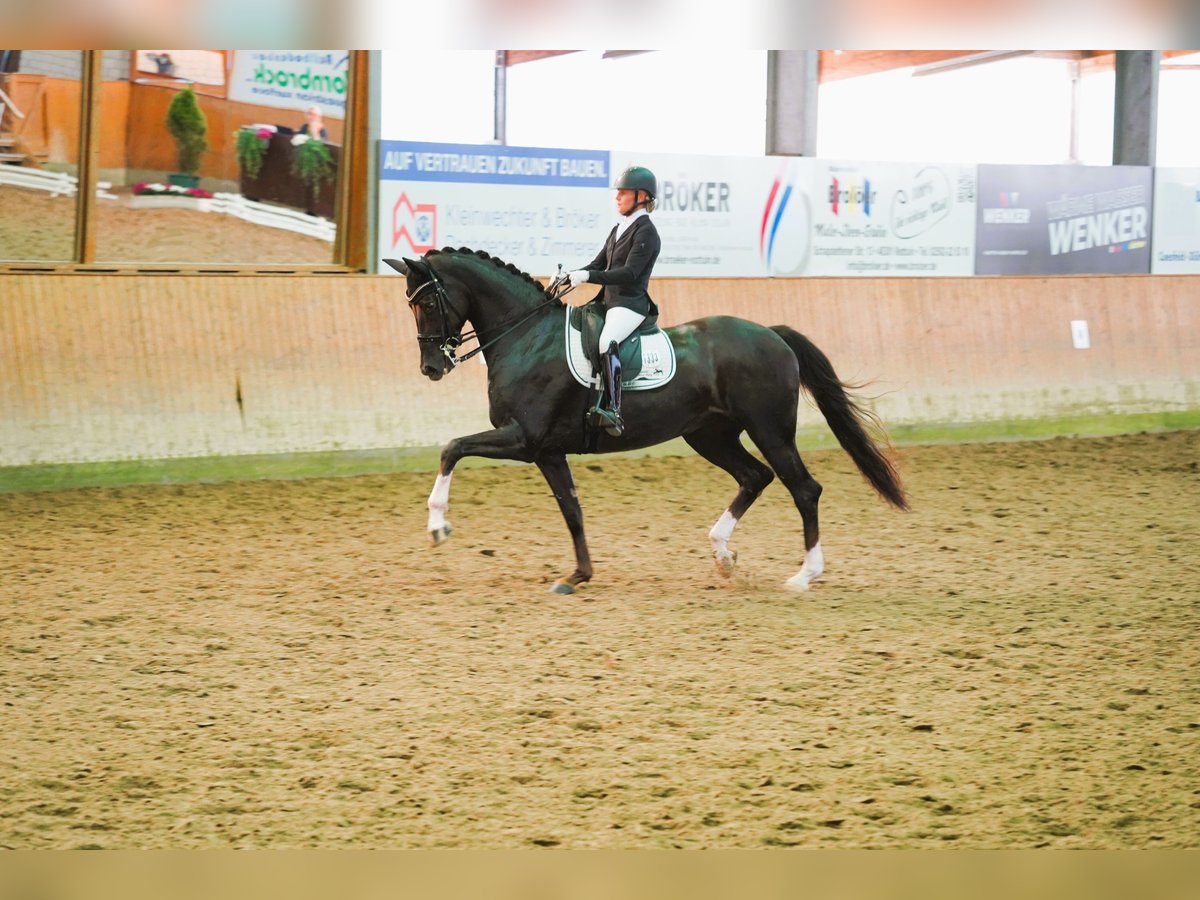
600,417
610,421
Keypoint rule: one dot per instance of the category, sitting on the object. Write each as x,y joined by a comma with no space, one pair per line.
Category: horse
733,377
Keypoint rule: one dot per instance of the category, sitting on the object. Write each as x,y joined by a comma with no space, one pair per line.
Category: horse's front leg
506,442
558,475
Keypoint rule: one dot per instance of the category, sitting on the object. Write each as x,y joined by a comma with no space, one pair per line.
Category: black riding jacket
624,266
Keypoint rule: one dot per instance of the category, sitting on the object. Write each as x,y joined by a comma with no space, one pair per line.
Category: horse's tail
847,419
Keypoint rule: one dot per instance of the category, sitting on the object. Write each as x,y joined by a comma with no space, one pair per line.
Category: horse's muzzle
433,373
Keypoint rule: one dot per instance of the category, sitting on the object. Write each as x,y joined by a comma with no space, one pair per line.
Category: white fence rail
62,184
57,184
274,216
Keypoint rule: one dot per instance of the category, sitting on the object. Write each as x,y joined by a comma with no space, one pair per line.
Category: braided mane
483,254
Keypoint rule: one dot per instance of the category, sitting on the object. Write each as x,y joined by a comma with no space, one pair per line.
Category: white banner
200,66
791,216
1176,230
292,79
533,207
718,216
712,214
893,219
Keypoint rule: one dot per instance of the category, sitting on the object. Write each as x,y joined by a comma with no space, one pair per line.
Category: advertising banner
892,219
1176,232
792,216
711,215
1050,220
533,207
200,66
718,216
292,79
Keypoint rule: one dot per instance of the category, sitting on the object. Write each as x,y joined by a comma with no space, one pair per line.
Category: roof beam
516,57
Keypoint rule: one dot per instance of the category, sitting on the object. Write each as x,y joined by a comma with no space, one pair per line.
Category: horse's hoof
439,535
562,586
725,561
800,581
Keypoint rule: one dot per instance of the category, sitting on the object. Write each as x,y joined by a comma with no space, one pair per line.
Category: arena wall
133,133
100,367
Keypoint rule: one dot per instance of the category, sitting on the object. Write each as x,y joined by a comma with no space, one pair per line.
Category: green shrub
250,150
186,122
312,164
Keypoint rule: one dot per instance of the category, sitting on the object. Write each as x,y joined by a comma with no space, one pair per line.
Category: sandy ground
288,664
36,226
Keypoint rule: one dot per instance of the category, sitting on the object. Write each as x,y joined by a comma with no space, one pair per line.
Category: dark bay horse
733,376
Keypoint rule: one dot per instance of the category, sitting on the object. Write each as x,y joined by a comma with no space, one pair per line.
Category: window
198,159
40,102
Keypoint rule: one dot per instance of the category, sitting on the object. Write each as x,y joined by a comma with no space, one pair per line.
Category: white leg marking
814,565
719,536
439,502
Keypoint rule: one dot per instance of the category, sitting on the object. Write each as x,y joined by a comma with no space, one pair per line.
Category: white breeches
619,323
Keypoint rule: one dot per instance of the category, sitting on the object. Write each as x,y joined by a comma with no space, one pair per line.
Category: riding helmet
638,178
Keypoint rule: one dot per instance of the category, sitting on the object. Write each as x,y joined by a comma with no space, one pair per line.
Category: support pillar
792,86
1135,107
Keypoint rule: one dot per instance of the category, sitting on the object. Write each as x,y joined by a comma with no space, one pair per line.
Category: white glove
578,277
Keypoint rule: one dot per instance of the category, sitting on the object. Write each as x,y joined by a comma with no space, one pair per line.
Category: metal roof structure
839,64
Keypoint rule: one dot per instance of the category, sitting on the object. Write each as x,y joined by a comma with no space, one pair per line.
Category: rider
623,267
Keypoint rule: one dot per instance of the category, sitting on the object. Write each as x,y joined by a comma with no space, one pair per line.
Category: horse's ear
417,267
400,265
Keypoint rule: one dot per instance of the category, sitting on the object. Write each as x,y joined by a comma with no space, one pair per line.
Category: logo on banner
1008,212
785,236
415,223
1120,230
921,204
1114,219
850,196
694,196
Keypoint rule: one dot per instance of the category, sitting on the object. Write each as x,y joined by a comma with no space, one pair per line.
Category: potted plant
251,148
311,163
186,122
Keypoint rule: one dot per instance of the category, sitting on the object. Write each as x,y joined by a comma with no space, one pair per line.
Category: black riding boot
611,369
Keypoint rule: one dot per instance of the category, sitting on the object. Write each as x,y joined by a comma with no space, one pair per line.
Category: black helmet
638,178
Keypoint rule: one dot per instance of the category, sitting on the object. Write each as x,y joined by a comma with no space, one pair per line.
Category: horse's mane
495,260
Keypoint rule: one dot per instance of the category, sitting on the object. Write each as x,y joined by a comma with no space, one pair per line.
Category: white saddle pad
658,361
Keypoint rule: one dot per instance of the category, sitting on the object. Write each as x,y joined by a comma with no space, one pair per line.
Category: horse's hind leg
784,458
557,473
724,449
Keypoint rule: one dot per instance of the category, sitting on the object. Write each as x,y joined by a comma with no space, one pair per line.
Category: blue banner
493,164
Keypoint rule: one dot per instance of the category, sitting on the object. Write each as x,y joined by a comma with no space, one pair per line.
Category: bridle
448,342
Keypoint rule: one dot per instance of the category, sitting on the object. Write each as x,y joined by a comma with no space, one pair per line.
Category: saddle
647,355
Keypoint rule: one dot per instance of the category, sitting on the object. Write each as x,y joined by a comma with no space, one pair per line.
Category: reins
473,335
450,343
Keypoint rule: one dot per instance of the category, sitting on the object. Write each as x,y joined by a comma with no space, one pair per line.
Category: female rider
623,267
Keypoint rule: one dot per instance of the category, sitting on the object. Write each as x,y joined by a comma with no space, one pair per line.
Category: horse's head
439,321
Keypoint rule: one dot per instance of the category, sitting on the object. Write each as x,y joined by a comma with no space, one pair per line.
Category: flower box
170,201
160,196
